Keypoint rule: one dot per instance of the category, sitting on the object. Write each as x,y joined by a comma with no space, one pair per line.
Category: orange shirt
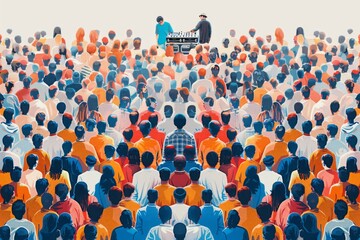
22,191
137,135
43,162
111,217
32,206
248,217
193,194
257,234
316,162
222,135
81,150
4,178
228,205
102,232
131,205
326,205
337,191
260,142
118,172
67,135
354,178
321,218
159,136
149,144
295,178
276,149
101,94
292,135
166,194
240,174
258,94
209,144
64,178
354,213
99,142
37,218
201,136
5,213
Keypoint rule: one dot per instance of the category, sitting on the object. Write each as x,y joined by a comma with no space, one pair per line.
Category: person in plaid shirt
180,137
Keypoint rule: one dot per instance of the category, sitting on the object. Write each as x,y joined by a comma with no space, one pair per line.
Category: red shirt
222,135
286,207
159,136
212,113
129,171
179,179
237,161
330,177
24,94
122,161
73,208
230,171
146,114
137,135
201,135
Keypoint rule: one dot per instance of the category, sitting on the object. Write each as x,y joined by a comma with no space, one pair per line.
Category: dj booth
182,41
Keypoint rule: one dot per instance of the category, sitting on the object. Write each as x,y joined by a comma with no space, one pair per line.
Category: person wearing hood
351,127
8,127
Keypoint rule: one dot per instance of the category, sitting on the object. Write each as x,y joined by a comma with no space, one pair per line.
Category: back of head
297,191
207,195
179,121
179,195
147,159
21,234
152,195
179,231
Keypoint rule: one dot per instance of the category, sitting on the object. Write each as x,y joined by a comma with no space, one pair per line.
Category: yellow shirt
326,205
257,234
151,145
228,205
37,218
258,94
295,178
5,213
111,217
32,206
260,142
240,174
43,162
208,145
102,232
316,162
119,174
166,194
81,150
276,149
248,217
99,142
132,206
291,135
193,194
101,94
67,135
64,178
337,191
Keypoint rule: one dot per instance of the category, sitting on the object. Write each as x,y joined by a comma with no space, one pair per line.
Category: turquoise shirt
163,30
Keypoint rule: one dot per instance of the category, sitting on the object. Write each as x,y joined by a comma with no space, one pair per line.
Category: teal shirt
163,31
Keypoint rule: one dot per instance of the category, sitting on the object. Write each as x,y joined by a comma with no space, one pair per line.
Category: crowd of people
256,138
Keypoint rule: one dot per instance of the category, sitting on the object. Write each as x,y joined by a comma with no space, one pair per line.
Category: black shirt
205,30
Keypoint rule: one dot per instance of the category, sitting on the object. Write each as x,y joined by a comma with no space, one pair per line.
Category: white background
27,16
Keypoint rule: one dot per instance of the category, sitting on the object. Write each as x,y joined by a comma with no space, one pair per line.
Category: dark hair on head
209,100
194,174
225,156
237,149
40,118
67,231
352,141
327,159
334,106
233,219
16,174
250,151
278,195
107,180
207,195
247,120
252,180
134,156
128,134
297,190
164,174
266,102
7,141
26,129
122,149
7,192
303,168
8,165
231,134
152,195
32,160
147,159
280,131
321,140
340,209
56,168
343,174
115,195
264,211
153,119
128,189
244,195
145,127
318,185
354,232
352,193
24,107
90,232
205,120
61,107
179,121
291,232
212,158
268,232
179,194
307,126
351,165
81,195
62,190
5,232
230,189
126,219
159,19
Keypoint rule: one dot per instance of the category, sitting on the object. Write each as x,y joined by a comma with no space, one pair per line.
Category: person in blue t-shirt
162,30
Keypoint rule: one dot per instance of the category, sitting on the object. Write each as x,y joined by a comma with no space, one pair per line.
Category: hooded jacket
350,129
9,129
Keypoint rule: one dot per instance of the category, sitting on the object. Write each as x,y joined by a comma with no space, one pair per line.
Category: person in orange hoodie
82,149
292,134
101,140
34,204
165,190
315,158
43,158
213,143
326,205
337,191
37,218
204,133
277,149
231,202
248,216
146,143
258,140
193,191
313,201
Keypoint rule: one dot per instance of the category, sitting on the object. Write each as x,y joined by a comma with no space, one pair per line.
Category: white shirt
308,105
15,158
347,101
91,178
115,135
323,106
253,109
348,154
163,231
193,125
212,178
53,146
144,180
37,106
51,104
236,116
15,224
306,146
106,109
29,178
123,120
43,89
179,213
272,71
338,148
199,232
167,125
22,147
268,178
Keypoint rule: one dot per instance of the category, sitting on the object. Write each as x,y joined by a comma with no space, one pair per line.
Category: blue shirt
121,233
146,218
236,233
192,164
163,30
167,164
212,218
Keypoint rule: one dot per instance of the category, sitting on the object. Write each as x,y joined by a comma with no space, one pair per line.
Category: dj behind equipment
182,41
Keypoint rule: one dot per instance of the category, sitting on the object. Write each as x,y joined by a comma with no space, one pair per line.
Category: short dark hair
212,158
179,194
159,19
18,209
128,189
152,195
244,195
115,195
95,210
327,160
206,195
61,190
164,174
264,211
297,190
340,209
147,159
230,189
179,121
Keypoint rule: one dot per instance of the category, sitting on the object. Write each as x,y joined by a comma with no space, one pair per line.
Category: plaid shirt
180,138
